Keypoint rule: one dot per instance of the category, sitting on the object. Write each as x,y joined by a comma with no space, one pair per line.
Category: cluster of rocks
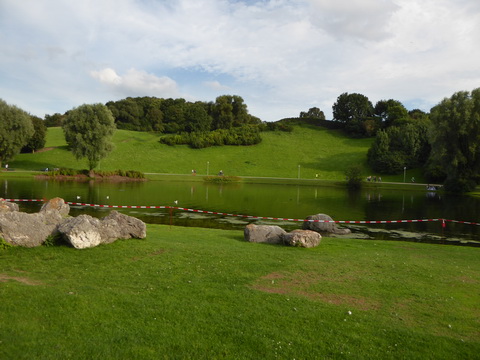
310,235
84,231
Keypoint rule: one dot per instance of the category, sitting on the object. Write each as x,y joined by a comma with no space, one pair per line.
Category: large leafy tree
15,130
313,113
390,112
455,139
353,110
88,131
37,140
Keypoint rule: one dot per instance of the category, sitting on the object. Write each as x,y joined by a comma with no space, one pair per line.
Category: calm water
283,201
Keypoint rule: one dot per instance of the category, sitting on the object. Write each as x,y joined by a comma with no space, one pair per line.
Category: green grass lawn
190,293
316,150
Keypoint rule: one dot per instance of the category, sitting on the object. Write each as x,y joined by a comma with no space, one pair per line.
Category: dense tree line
173,116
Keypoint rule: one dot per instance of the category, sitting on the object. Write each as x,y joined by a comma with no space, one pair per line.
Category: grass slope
317,151
189,293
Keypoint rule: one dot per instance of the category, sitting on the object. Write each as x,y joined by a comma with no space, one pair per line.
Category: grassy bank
304,153
188,293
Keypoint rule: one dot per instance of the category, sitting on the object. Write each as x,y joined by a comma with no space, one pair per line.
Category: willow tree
15,130
88,131
455,139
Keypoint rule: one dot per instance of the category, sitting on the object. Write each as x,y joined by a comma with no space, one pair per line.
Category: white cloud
137,83
215,85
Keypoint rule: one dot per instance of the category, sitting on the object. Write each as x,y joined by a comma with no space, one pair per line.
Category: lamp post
208,163
299,171
404,173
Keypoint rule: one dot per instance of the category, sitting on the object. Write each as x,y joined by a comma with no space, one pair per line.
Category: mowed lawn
190,293
307,150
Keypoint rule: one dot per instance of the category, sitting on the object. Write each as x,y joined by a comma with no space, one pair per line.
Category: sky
281,56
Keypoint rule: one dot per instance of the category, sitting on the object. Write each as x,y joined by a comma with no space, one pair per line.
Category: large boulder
264,234
82,231
56,204
6,206
28,230
302,238
323,224
85,231
119,226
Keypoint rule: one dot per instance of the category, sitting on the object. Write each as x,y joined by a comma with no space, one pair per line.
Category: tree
390,111
37,140
353,110
88,130
197,118
455,135
54,120
313,113
15,130
354,177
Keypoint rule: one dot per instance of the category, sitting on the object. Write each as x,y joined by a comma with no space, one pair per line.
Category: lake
262,200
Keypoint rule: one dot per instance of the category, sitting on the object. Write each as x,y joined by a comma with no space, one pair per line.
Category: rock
264,234
82,231
119,226
302,238
6,206
28,230
324,226
85,231
56,204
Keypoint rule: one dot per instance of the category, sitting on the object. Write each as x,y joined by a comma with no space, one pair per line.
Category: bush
221,179
4,245
354,177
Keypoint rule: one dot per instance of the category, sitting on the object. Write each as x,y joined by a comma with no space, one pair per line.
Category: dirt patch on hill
23,280
306,285
45,149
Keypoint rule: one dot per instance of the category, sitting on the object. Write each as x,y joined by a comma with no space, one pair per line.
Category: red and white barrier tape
254,217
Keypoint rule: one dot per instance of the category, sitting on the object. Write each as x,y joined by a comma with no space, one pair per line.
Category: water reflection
278,201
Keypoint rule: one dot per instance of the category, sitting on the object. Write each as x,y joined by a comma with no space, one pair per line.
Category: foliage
352,110
399,146
54,240
244,135
88,130
15,130
54,120
454,139
312,113
133,174
390,111
175,116
354,176
221,179
4,245
37,141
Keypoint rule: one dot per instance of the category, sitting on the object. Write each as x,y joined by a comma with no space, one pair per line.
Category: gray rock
6,206
28,230
302,238
120,226
82,231
56,204
264,234
85,231
325,225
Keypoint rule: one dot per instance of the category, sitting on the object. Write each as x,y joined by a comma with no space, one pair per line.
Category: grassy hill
316,150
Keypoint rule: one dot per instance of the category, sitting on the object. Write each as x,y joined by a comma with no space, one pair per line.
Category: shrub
4,245
354,177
